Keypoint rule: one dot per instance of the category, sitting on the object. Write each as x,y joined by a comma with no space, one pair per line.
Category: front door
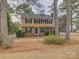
36,30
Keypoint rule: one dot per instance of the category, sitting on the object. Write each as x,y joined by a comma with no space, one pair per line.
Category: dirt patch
33,44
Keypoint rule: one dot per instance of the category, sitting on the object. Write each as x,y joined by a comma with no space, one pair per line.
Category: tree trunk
4,27
68,18
56,20
71,22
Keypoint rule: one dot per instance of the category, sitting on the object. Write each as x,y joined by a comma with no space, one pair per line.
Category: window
37,21
43,21
30,30
34,21
30,21
26,30
26,20
47,21
42,29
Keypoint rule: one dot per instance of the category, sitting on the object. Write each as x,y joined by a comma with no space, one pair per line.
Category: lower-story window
43,29
28,30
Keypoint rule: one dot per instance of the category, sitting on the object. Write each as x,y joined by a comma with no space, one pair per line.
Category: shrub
0,39
46,33
52,39
5,42
20,33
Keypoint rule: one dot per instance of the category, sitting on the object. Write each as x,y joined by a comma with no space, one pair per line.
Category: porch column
33,30
38,31
28,29
52,29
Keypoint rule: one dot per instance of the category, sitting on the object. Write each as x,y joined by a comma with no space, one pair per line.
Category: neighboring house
36,24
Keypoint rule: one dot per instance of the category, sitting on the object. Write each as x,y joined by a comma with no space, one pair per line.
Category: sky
46,3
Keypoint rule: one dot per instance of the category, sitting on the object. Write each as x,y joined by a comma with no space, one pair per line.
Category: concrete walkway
71,52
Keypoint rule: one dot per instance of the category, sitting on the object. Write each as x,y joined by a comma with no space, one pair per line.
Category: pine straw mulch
34,44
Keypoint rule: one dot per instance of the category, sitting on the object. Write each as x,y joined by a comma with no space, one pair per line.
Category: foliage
25,8
62,23
5,42
12,27
0,39
9,9
46,33
20,33
74,7
52,39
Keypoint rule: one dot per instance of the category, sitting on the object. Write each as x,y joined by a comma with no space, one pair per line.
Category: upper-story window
39,21
43,21
28,20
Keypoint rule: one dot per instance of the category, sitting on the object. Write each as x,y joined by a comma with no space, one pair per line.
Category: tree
62,23
4,28
25,8
68,17
73,11
56,18
9,9
12,27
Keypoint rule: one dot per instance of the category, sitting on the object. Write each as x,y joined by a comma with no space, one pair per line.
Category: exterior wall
35,27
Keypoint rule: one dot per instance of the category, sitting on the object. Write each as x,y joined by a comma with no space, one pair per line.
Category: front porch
37,31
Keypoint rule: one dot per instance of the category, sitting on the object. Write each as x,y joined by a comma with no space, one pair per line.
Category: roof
36,16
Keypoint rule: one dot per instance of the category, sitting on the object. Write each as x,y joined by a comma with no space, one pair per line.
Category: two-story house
36,24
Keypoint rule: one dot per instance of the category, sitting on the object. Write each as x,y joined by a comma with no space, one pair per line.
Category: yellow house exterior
36,24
